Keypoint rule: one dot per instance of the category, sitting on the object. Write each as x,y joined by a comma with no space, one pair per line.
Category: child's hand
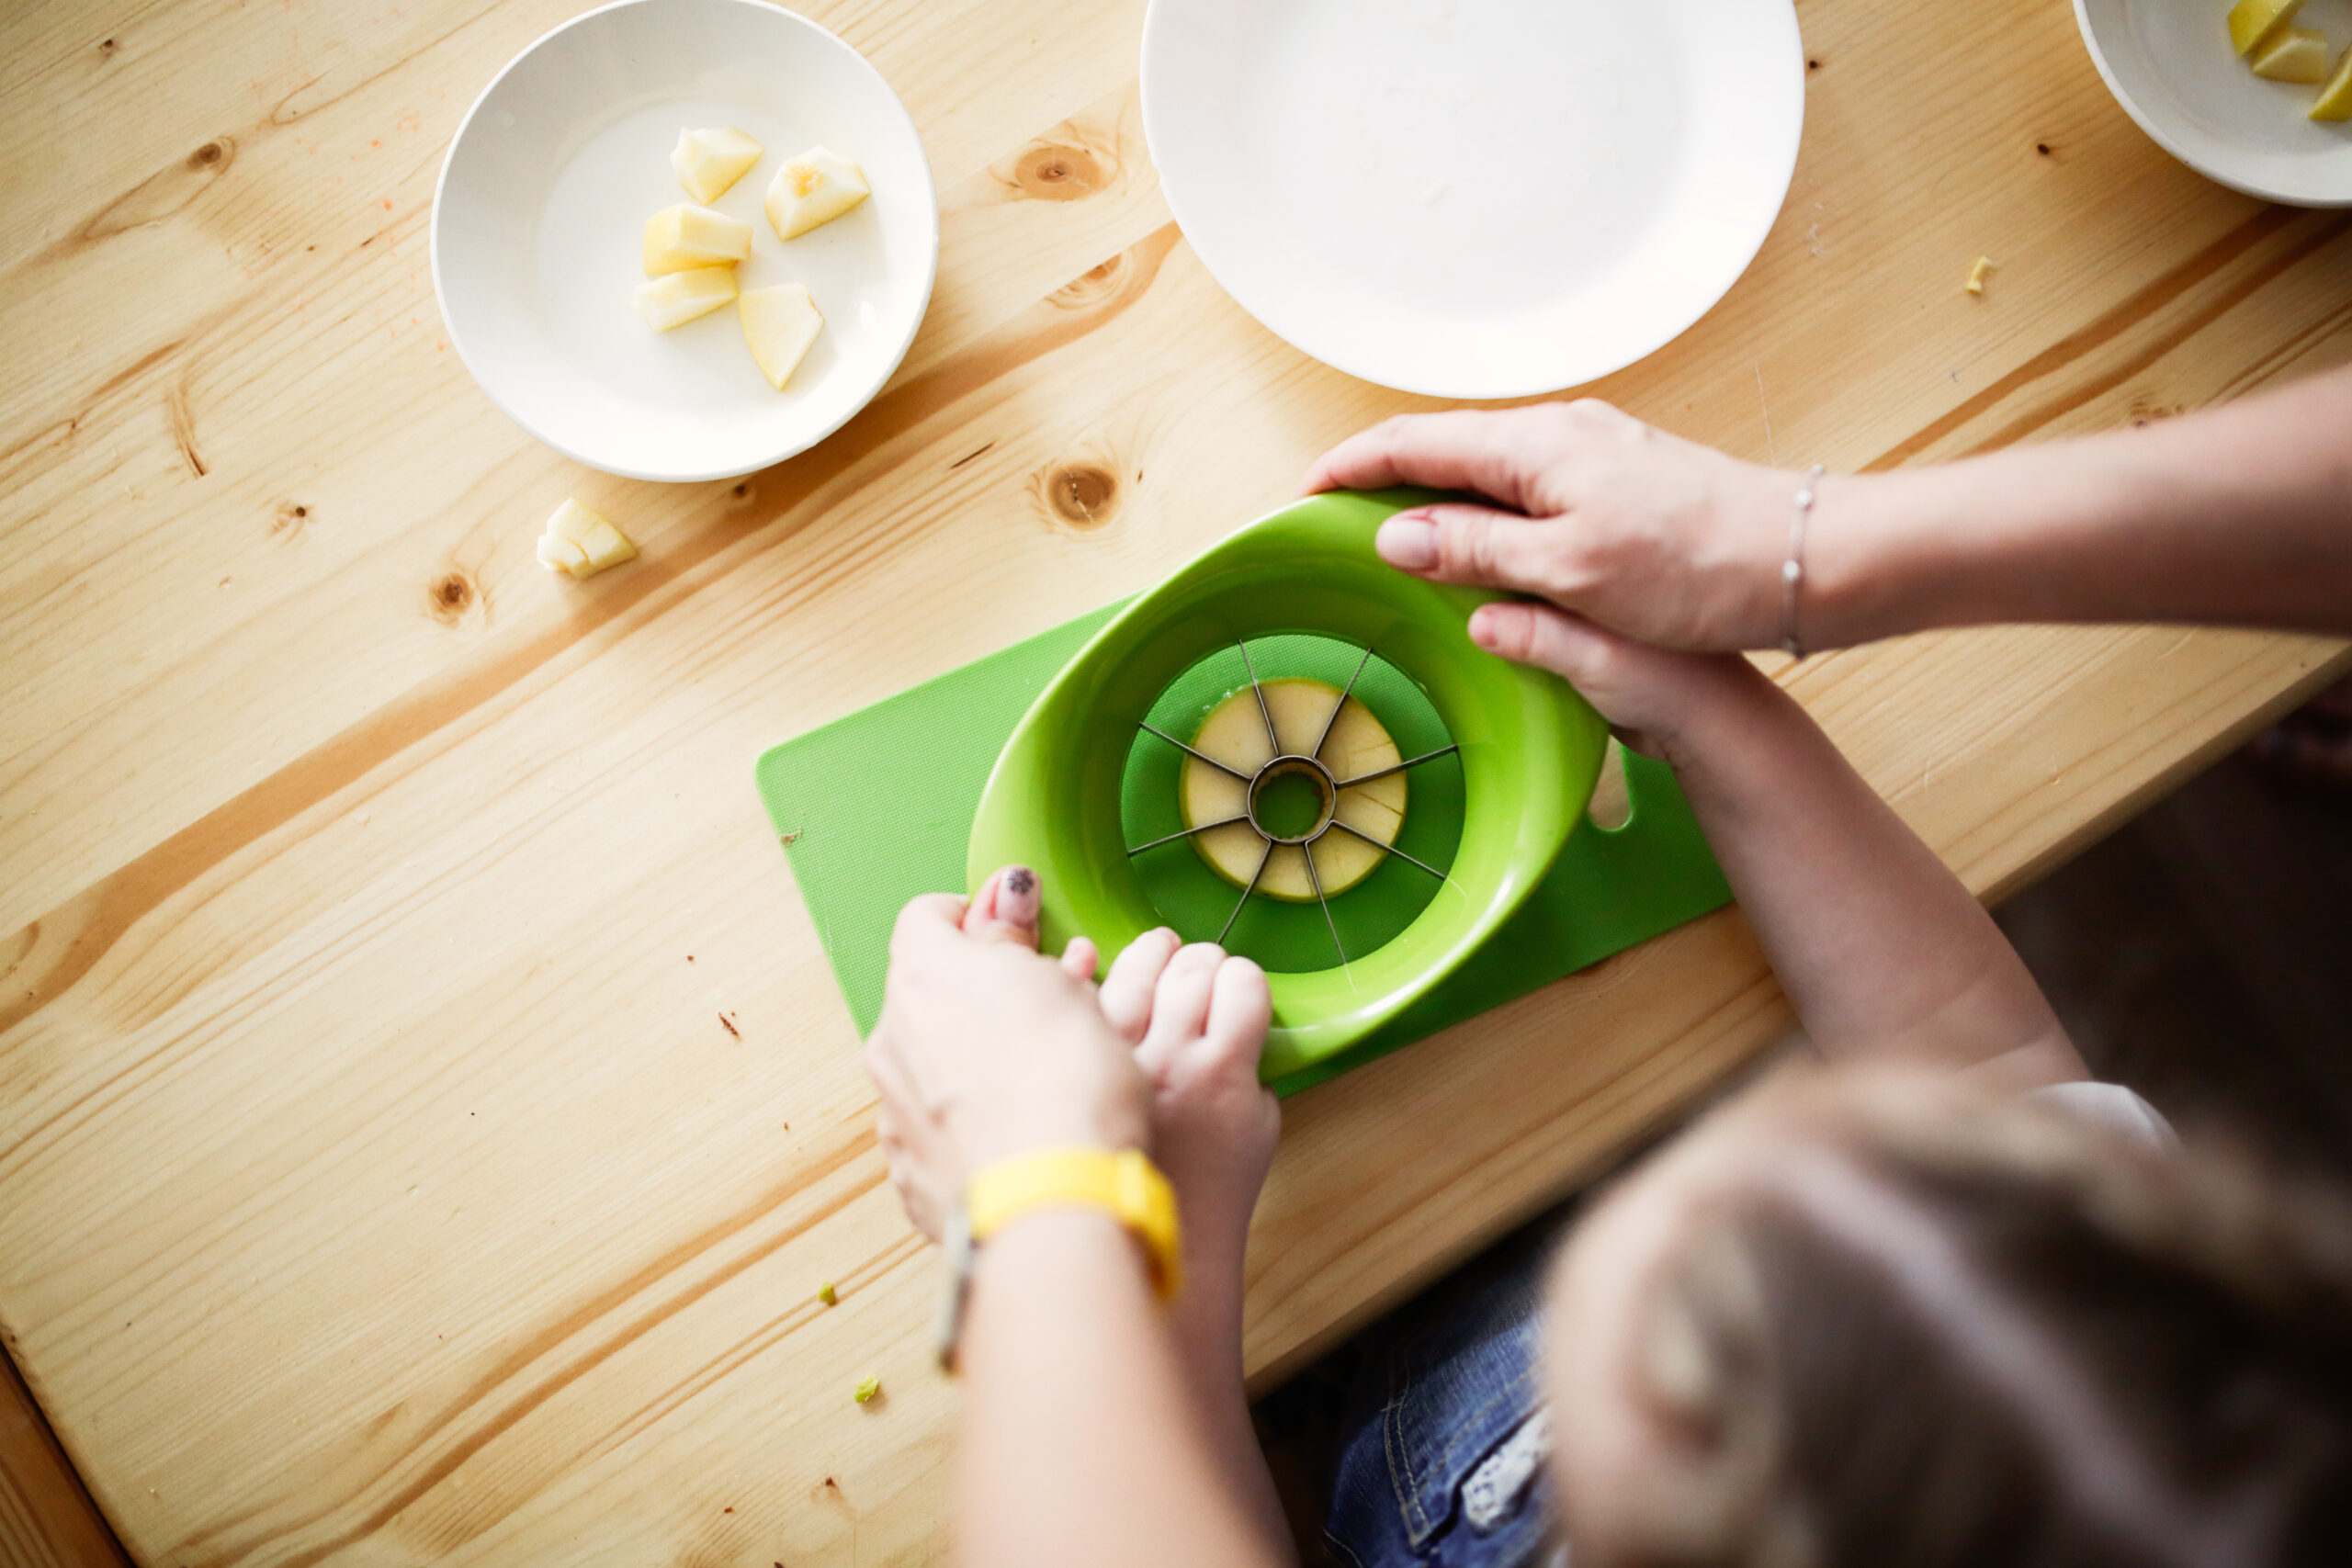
985,1049
1674,706
1197,1021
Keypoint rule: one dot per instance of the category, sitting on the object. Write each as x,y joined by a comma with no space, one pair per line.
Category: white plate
540,216
1474,198
2169,64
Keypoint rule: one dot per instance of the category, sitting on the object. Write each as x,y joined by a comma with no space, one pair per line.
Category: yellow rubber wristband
1121,1181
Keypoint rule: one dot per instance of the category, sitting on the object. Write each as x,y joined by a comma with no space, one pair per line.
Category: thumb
1650,694
1005,909
1569,646
1452,542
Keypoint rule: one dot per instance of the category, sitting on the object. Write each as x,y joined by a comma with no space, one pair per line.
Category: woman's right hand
1638,531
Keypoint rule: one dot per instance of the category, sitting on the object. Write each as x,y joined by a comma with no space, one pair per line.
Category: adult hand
985,1049
1679,707
1642,532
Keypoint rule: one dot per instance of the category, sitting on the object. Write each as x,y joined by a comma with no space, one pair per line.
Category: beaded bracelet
1792,568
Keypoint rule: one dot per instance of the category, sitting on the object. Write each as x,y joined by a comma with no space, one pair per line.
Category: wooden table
378,1182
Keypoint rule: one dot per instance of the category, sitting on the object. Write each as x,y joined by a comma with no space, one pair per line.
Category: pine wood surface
378,1182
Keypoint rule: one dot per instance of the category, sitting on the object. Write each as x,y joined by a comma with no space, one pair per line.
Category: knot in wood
1095,284
451,595
211,154
1050,172
1083,494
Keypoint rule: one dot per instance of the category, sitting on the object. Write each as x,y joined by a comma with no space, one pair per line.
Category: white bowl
2169,64
1474,198
540,216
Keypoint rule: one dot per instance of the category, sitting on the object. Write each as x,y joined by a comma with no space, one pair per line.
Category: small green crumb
868,1389
825,1293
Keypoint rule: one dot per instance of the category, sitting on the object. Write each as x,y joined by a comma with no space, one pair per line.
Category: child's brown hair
1948,1331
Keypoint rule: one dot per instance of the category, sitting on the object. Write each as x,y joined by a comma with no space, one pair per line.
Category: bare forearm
2237,515
1882,951
1082,1446
1206,1324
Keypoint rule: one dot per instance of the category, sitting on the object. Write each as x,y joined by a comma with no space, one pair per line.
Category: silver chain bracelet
1792,568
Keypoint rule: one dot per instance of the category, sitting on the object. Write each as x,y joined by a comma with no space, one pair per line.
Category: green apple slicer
1288,748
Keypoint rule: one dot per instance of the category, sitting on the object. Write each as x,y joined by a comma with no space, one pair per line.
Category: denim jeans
1442,1450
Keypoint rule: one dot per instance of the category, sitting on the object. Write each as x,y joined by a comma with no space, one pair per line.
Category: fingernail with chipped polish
1408,540
1016,897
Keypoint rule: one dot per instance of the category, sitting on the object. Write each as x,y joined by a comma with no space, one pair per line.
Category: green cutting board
877,806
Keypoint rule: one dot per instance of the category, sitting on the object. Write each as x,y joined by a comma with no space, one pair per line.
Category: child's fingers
1079,958
1240,1009
1127,989
1180,1006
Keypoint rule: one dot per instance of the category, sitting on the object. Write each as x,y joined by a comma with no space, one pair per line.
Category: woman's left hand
986,1049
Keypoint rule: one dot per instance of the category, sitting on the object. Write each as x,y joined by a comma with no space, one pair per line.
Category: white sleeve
2115,1108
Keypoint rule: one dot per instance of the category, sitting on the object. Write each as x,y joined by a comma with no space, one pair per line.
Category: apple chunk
2297,54
681,238
816,188
779,322
2335,98
709,161
581,543
2253,22
678,298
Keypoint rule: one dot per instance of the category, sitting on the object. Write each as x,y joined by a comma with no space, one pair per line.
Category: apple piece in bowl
709,162
816,188
779,322
2297,54
2253,23
680,238
676,298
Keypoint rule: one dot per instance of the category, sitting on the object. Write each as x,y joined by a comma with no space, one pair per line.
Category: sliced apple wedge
2252,22
816,188
2335,98
677,298
779,322
681,238
709,161
2297,54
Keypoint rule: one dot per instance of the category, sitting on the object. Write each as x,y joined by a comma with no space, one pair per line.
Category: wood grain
377,1181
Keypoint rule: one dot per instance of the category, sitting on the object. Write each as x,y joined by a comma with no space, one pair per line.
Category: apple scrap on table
691,252
2264,34
581,543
